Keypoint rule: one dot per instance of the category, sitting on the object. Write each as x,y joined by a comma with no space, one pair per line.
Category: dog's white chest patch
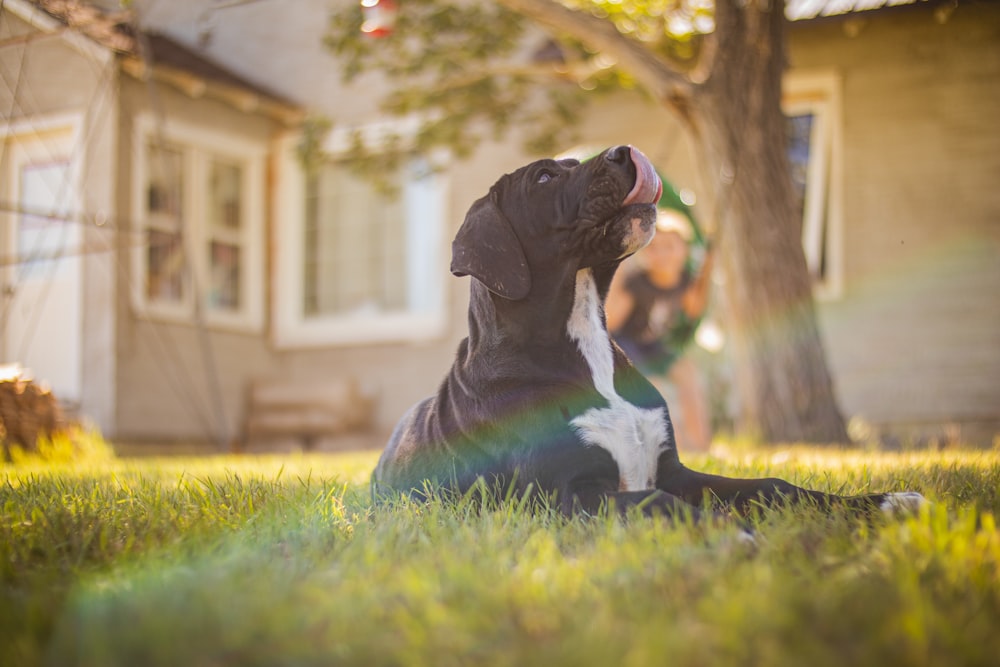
633,436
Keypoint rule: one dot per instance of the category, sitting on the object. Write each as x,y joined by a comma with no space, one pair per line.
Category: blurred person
652,313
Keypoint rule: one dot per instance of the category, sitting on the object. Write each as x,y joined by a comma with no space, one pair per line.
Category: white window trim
200,144
819,93
292,328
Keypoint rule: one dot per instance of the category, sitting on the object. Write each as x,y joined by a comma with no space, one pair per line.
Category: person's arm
619,303
695,298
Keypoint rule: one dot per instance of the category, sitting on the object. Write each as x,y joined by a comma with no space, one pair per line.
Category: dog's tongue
647,188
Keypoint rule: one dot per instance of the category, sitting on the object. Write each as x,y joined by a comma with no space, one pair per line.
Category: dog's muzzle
639,204
648,188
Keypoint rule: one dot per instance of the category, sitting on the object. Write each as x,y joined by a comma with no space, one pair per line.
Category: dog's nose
620,155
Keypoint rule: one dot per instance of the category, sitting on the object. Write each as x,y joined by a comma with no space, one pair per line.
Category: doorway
41,304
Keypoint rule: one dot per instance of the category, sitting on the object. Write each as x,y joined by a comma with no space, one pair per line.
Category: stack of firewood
28,412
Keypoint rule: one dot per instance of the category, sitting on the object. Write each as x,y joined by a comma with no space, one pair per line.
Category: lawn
283,561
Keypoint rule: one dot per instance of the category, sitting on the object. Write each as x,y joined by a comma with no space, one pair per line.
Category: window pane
801,154
164,199
164,281
164,190
224,194
799,130
224,290
355,246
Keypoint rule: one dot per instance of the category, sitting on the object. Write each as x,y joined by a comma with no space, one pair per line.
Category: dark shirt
657,329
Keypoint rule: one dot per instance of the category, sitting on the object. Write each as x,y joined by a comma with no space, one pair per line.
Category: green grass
268,561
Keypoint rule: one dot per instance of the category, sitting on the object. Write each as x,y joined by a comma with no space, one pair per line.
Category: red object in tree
379,17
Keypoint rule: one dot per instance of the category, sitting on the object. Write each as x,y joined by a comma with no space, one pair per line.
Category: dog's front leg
653,502
694,487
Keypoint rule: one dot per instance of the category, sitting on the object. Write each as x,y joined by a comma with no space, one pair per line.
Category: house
105,157
166,250
907,98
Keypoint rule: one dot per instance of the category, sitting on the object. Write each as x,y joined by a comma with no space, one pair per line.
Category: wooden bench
290,414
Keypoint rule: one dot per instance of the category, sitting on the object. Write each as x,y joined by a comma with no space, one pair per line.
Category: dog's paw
902,504
744,540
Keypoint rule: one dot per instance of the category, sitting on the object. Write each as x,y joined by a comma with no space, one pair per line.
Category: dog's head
565,212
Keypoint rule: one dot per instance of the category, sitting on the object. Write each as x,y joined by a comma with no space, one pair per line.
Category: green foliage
426,37
285,562
438,68
468,72
75,445
475,70
670,28
310,147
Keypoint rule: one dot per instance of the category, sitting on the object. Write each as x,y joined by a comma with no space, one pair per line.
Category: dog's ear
487,249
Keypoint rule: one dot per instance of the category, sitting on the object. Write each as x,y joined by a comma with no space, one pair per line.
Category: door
42,292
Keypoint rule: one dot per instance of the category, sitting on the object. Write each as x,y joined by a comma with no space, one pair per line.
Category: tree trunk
784,388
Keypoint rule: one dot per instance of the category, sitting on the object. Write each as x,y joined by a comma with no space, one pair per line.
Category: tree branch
663,80
575,72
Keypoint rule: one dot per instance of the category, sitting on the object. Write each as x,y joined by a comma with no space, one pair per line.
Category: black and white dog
539,398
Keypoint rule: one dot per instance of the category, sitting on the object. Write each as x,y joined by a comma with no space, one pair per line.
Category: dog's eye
545,177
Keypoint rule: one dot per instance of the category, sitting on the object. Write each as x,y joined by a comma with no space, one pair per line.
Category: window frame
199,147
818,92
293,328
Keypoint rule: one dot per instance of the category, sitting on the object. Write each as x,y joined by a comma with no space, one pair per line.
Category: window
356,265
198,205
812,110
350,267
